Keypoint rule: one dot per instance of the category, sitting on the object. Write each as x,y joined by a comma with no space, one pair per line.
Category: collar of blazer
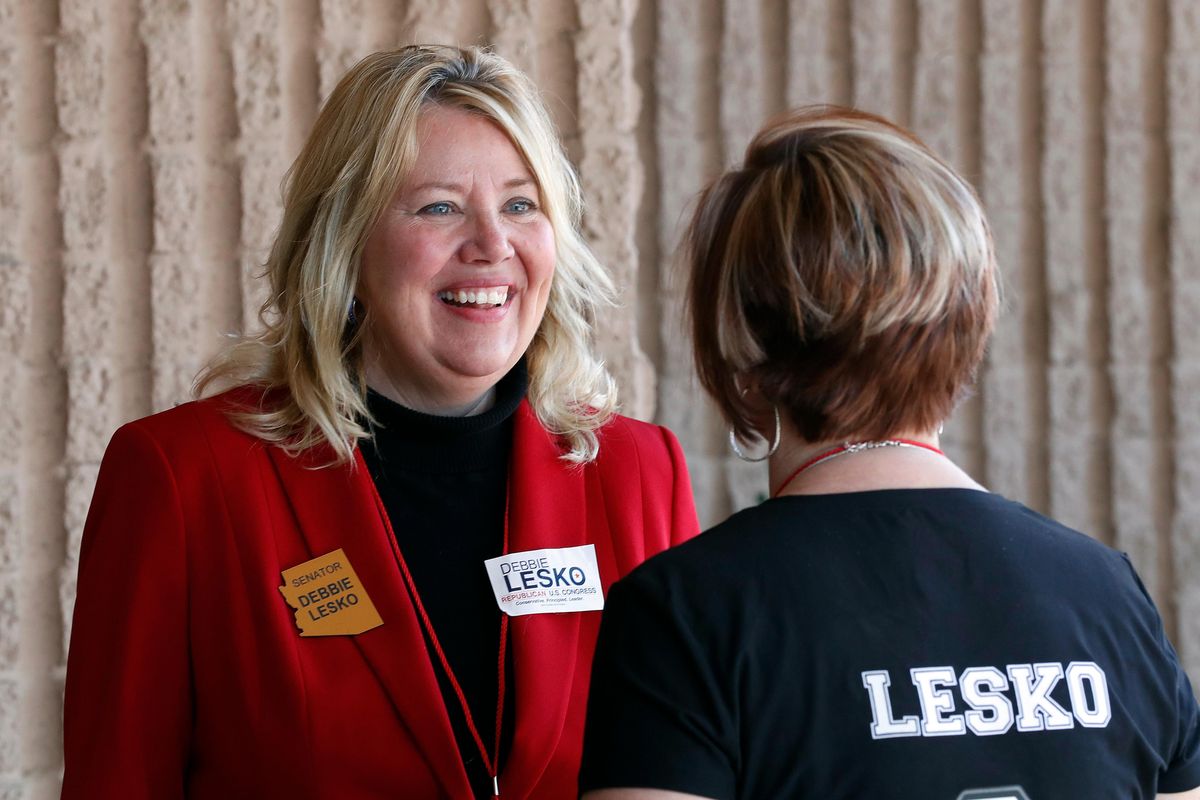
546,510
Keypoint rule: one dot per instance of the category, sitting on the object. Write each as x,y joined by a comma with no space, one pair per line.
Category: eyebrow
458,187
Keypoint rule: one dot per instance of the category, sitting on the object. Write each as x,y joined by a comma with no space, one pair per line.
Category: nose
487,241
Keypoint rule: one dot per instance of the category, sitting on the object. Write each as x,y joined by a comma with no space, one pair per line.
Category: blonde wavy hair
307,358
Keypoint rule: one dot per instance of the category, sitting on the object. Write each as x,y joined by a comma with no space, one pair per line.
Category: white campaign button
550,581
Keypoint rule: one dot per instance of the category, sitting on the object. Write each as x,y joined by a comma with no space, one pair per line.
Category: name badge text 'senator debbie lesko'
328,597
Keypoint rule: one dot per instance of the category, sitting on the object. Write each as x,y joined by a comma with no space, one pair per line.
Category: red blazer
187,677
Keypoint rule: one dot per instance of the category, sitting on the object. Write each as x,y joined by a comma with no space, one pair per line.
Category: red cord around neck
851,447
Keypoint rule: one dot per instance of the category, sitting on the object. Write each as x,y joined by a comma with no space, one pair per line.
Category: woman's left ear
748,389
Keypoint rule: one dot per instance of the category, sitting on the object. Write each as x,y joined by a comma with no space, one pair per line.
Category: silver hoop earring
737,450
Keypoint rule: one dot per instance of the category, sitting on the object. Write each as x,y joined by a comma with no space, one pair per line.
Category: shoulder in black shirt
892,644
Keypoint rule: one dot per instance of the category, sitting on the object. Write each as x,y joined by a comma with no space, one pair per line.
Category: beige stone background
142,146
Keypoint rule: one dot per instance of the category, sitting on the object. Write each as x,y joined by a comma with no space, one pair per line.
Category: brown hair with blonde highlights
846,273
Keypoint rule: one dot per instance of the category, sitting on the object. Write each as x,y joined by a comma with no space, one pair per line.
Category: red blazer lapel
336,507
547,509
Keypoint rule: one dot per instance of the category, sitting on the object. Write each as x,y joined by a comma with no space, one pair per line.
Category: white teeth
479,297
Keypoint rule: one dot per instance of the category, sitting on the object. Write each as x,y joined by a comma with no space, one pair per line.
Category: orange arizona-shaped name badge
328,597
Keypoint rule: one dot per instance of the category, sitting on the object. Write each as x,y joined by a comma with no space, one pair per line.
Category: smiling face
456,274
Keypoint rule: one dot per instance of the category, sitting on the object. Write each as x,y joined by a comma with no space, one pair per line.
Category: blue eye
437,209
521,206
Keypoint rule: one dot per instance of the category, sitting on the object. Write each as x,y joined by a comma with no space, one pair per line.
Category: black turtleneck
443,482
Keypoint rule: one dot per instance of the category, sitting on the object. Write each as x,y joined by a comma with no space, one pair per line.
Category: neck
798,466
465,404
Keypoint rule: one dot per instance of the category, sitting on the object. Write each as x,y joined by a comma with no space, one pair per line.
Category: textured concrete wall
142,143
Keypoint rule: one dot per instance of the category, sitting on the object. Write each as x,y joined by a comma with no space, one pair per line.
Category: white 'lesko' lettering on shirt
990,709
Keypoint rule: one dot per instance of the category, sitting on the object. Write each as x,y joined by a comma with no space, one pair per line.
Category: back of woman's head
360,150
845,273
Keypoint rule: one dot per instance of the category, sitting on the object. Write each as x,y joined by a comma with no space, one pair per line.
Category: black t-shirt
913,643
443,482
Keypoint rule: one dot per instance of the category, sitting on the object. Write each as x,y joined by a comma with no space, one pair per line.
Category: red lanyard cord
851,447
491,763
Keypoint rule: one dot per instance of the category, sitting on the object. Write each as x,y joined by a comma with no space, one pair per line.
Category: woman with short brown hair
841,245
882,627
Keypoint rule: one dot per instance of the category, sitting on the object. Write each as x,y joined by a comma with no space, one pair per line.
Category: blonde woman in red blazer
254,616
